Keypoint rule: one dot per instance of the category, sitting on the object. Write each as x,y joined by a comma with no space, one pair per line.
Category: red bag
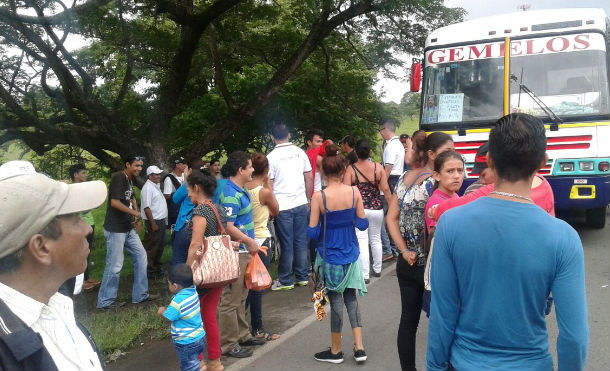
257,277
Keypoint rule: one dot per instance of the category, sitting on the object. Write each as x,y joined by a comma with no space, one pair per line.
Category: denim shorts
188,354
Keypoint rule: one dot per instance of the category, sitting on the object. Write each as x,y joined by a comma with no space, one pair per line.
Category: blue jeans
115,242
388,246
255,299
291,228
188,354
180,246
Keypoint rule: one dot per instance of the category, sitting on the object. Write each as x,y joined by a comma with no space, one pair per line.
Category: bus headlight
566,166
603,166
586,165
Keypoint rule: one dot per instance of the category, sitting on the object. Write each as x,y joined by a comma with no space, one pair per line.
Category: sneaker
376,274
150,297
367,281
277,286
328,356
253,341
116,304
239,352
90,284
301,283
387,257
359,355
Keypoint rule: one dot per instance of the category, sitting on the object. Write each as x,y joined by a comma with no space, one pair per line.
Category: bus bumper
580,192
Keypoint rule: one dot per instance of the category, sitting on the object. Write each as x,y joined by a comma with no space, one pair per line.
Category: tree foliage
194,76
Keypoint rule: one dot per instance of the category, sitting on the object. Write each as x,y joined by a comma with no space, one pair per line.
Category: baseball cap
403,137
31,200
480,159
152,169
178,160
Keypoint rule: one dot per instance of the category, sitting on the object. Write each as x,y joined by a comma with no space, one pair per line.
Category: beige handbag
216,263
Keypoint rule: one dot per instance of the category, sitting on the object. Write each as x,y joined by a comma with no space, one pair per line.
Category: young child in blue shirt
184,313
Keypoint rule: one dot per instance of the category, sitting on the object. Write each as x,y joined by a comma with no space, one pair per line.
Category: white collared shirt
152,197
55,323
394,154
287,164
168,185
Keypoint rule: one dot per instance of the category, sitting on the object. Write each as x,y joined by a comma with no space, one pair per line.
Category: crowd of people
483,272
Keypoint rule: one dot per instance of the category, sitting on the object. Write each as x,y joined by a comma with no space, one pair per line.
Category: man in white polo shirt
154,212
292,182
393,163
393,153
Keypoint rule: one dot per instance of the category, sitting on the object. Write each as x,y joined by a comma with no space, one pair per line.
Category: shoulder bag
216,263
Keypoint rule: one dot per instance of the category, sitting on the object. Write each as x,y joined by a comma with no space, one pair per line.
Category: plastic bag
257,277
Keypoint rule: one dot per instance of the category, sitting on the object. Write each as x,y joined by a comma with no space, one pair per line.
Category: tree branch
129,65
219,77
17,69
56,19
24,117
59,45
320,30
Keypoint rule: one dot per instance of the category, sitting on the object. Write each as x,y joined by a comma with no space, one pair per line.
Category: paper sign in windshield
450,107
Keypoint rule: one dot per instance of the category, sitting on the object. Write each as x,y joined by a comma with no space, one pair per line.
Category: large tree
193,76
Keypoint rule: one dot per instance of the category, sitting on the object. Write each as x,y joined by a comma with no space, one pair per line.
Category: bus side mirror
415,79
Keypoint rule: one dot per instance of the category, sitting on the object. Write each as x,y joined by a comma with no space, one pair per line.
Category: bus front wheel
596,218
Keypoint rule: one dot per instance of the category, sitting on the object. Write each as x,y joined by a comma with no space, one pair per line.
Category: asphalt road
380,310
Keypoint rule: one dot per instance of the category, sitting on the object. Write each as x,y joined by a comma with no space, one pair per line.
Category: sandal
262,334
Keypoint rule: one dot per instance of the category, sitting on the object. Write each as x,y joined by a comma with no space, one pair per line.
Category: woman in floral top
406,224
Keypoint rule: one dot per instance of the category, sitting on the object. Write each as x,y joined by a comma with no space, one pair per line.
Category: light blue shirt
181,196
493,265
184,312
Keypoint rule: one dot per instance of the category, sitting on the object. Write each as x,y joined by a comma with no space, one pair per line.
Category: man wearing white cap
43,242
121,228
154,212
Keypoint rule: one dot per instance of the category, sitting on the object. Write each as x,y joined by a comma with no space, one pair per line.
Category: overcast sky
393,90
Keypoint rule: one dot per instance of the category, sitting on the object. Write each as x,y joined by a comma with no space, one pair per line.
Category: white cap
31,200
152,169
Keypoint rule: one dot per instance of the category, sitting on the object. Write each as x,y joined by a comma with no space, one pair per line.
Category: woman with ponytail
407,226
334,213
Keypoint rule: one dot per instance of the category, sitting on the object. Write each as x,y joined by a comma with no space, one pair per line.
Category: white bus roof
520,23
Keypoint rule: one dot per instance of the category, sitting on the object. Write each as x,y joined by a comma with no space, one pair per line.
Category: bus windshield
570,84
463,91
466,83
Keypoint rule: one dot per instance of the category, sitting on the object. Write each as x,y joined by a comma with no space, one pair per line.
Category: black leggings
336,309
411,283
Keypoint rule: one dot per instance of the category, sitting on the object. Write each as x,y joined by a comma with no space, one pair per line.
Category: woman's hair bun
331,150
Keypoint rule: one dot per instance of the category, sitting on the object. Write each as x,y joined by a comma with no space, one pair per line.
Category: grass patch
408,126
116,330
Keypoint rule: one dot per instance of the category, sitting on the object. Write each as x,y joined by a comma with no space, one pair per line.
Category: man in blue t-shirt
235,199
495,262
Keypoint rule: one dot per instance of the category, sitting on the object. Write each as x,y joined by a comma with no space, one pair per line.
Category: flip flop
267,336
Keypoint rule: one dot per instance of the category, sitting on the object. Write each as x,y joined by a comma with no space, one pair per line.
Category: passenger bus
553,64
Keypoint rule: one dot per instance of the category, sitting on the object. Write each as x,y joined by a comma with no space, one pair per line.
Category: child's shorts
188,354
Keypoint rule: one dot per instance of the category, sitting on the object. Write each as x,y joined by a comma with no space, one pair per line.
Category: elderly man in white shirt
154,212
43,242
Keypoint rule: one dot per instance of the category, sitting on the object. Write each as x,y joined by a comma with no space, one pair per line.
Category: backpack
172,208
